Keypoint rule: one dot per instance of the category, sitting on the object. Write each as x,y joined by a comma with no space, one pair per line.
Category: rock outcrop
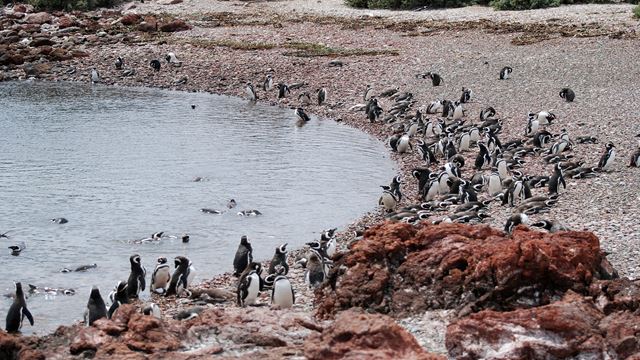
400,269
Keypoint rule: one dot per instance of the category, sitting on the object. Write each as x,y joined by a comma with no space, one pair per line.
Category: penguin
119,63
117,297
314,276
95,76
136,282
367,93
551,226
466,96
251,92
18,311
157,235
587,140
244,256
172,59
607,158
180,278
252,212
96,309
304,98
17,249
635,158
556,179
283,90
515,220
567,94
83,268
388,200
532,127
426,154
322,96
188,314
483,158
152,309
267,85
545,117
403,144
231,204
155,64
211,211
488,113
495,184
282,293
279,259
436,79
161,276
302,116
249,288
59,221
505,72
185,238
458,111
434,107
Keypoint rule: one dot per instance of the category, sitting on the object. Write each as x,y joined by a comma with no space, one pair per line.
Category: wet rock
130,19
38,18
404,270
355,335
175,25
570,328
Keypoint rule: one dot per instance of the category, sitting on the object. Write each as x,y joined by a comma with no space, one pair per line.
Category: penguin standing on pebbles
251,92
556,179
161,276
249,287
279,259
505,72
322,96
180,278
136,282
436,80
244,256
18,311
567,94
388,200
283,90
119,63
607,158
96,309
172,59
315,270
282,294
155,64
267,85
635,157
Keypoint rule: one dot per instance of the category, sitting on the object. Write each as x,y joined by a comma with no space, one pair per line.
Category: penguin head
162,260
282,249
135,259
95,292
18,286
610,146
180,261
244,241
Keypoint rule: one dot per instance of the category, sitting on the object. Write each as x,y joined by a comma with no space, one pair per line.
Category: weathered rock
38,18
402,269
66,22
36,70
570,328
60,54
130,19
10,345
11,59
355,335
616,295
175,25
150,335
147,27
87,339
41,41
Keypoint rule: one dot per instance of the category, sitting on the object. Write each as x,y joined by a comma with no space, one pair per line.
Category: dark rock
41,41
616,295
10,345
7,58
175,25
354,335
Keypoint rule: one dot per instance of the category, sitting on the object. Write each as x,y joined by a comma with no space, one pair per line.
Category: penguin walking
96,309
119,63
267,85
249,288
505,72
606,161
251,92
515,220
314,275
136,282
180,278
244,256
18,311
117,297
155,65
279,259
302,116
95,76
322,96
556,180
161,276
567,94
282,293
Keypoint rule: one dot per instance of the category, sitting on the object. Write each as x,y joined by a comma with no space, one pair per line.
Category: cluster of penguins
155,64
446,142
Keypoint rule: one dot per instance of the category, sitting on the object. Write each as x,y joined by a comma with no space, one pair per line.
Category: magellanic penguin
388,200
567,94
17,249
180,278
251,212
119,63
515,220
152,309
436,80
304,98
279,259
117,297
231,204
488,113
403,145
282,294
136,282
550,225
155,64
505,72
172,59
635,157
283,90
302,116
251,92
18,311
322,96
244,256
267,85
249,288
314,275
96,309
161,276
495,184
95,76
607,158
556,179
466,95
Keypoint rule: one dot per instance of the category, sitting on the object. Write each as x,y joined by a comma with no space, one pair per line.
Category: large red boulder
38,18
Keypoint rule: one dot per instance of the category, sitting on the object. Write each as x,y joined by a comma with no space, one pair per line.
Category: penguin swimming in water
231,204
18,311
96,309
282,293
161,276
117,297
180,278
211,211
322,96
252,212
244,256
136,282
505,72
302,116
59,221
155,65
606,161
185,238
17,249
567,94
515,220
119,63
249,287
551,226
279,259
95,76
267,85
251,92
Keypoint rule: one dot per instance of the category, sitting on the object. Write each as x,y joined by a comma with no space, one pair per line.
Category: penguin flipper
564,184
27,313
113,308
142,282
293,296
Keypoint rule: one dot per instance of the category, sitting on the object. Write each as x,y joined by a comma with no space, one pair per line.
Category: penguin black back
244,256
95,307
18,311
118,297
180,276
155,64
567,94
279,259
136,282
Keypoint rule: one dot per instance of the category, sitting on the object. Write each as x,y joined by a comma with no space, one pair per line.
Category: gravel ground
602,71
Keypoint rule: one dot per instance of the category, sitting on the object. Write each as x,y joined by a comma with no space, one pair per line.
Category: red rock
11,59
59,54
66,22
45,50
10,345
109,327
130,19
79,53
150,335
175,25
20,8
401,269
616,295
38,18
355,335
149,24
87,339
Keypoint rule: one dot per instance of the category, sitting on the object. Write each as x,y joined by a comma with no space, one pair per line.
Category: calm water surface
119,164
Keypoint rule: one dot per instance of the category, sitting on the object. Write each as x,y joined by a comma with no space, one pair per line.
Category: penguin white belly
387,201
495,187
331,248
609,162
458,113
192,274
444,186
412,130
282,295
403,144
434,189
253,290
464,143
161,280
503,172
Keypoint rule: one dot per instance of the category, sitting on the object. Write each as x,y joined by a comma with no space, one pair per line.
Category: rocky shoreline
221,50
